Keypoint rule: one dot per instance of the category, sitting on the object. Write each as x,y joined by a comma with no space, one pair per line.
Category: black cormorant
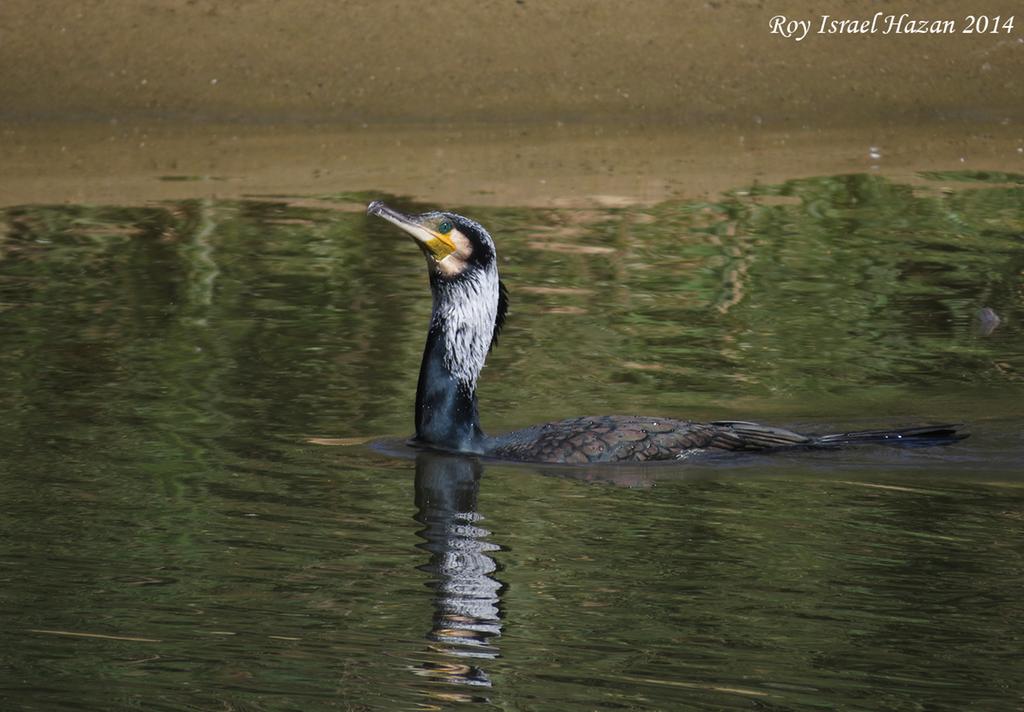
470,304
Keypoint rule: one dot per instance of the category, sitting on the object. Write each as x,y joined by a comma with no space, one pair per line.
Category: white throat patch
470,307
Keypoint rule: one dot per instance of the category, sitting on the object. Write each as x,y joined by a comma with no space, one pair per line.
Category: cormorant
469,308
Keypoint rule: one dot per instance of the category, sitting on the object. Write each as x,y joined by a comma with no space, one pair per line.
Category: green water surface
198,512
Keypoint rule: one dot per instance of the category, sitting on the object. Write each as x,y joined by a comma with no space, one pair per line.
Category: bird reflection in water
467,615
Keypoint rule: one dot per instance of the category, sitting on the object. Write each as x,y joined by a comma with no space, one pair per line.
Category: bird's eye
445,227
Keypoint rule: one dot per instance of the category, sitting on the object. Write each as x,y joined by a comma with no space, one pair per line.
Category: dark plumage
469,308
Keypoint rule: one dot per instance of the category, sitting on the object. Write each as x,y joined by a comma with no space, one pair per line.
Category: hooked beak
419,227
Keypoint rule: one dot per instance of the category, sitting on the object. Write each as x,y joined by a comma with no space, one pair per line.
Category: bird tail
917,436
741,435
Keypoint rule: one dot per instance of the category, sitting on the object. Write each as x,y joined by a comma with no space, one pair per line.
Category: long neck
446,410
461,328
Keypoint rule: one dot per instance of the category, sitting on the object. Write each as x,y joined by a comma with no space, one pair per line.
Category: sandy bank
505,101
509,61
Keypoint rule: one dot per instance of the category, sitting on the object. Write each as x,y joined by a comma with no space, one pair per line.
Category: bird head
463,266
455,246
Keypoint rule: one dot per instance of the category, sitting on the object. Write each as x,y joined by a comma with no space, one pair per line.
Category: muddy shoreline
471,103
569,165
